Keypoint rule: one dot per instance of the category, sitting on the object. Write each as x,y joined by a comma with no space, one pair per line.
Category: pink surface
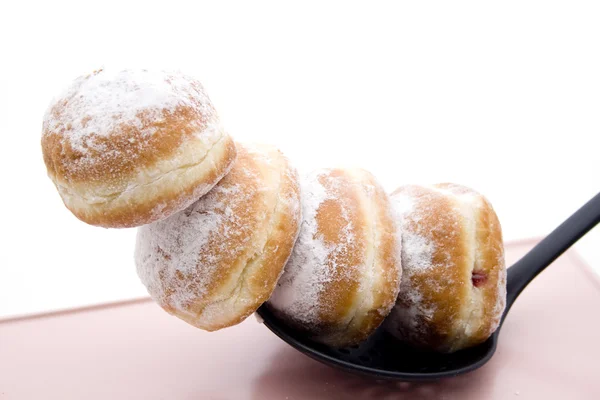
549,349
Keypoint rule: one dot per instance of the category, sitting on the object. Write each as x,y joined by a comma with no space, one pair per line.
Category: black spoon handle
549,249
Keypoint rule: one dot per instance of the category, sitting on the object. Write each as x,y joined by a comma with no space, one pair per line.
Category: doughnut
343,276
453,287
129,147
214,263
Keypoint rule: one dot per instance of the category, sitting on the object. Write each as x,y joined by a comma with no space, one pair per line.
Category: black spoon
383,357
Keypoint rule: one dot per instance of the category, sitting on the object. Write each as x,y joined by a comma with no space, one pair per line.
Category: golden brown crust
154,202
449,233
234,242
342,279
104,151
481,321
386,260
121,160
170,132
261,280
490,260
436,210
338,295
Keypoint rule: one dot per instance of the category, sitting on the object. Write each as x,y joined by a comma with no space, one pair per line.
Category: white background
502,97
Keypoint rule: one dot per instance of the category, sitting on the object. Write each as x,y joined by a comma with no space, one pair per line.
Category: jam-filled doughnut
453,288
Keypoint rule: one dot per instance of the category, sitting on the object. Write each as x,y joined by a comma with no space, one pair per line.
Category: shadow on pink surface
548,349
296,376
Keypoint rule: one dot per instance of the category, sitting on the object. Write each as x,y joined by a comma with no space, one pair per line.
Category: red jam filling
478,278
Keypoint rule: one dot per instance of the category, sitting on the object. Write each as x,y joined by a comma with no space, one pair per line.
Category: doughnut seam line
463,328
371,264
114,196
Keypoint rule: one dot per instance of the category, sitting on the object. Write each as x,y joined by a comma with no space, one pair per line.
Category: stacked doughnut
453,289
225,227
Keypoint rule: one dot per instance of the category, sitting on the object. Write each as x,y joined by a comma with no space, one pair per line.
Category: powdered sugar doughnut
453,288
342,278
214,263
126,148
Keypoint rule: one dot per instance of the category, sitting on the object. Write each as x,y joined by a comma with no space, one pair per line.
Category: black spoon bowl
384,357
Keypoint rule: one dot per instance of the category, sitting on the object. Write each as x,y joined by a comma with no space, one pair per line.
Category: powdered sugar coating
448,232
97,104
212,263
500,305
417,255
342,278
113,115
299,289
186,244
470,204
128,147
